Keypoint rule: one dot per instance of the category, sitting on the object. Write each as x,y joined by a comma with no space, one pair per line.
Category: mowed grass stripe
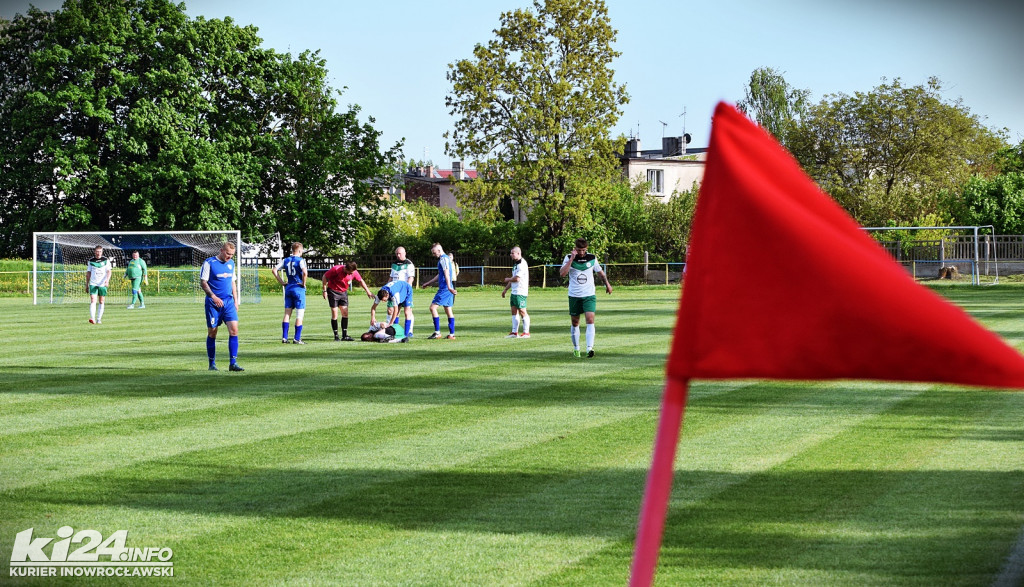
816,517
580,505
80,450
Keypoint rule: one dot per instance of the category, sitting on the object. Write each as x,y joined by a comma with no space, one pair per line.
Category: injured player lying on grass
381,332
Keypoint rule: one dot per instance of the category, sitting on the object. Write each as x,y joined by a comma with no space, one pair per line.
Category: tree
887,155
998,201
773,103
127,114
533,109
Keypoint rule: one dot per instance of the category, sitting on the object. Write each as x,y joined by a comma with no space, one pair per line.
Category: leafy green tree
773,103
533,110
887,155
127,114
995,200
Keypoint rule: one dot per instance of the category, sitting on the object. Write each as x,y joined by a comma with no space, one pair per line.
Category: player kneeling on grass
519,283
337,281
396,294
218,279
580,267
97,276
445,296
294,267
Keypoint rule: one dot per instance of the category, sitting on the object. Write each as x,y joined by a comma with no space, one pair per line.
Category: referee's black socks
334,327
344,326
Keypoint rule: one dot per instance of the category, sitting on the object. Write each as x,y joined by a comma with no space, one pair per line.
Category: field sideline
492,461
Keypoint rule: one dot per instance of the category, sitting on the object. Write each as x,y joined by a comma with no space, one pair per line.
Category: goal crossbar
976,262
55,237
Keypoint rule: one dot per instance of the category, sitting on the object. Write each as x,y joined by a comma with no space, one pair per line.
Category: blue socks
211,348
298,333
232,348
451,326
437,324
408,327
284,330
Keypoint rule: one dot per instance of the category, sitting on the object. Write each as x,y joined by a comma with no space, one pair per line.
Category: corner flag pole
659,484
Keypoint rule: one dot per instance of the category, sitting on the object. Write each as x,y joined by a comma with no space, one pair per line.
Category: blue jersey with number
445,262
293,267
220,275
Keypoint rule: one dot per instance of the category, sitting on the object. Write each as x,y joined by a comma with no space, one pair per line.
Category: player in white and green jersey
519,283
402,269
97,275
580,267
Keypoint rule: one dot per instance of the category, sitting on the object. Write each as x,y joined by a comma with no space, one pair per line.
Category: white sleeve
302,264
597,266
280,265
204,273
566,259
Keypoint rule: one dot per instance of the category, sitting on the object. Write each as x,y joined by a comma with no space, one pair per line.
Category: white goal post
174,259
963,248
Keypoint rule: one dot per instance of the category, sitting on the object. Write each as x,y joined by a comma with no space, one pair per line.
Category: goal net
173,262
955,254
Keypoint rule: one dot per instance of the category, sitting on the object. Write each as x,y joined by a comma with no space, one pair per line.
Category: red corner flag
781,283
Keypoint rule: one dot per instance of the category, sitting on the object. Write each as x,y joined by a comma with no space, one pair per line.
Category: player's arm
431,282
205,285
607,284
106,282
305,274
145,272
564,269
234,290
366,289
373,312
447,277
275,270
412,275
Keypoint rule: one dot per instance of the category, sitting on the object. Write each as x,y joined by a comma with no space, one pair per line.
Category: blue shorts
295,297
216,316
444,298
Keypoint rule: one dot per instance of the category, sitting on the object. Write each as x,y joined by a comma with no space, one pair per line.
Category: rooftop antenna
683,116
663,125
426,154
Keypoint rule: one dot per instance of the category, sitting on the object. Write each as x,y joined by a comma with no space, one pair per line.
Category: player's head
383,294
437,250
99,251
366,336
400,253
296,249
516,253
351,266
227,250
581,246
135,254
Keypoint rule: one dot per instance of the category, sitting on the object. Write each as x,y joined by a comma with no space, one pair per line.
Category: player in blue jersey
397,294
220,282
445,296
294,267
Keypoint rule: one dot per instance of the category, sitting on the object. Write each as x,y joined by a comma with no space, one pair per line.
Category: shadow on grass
887,523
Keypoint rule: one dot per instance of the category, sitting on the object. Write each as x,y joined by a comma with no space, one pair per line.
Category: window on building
656,177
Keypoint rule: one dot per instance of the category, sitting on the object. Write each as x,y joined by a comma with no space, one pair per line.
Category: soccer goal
963,254
173,258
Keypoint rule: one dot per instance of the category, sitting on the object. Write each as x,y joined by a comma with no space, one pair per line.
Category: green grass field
492,461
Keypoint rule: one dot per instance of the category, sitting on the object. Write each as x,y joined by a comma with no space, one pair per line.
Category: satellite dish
686,138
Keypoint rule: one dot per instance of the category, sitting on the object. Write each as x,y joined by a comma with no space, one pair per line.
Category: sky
392,56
